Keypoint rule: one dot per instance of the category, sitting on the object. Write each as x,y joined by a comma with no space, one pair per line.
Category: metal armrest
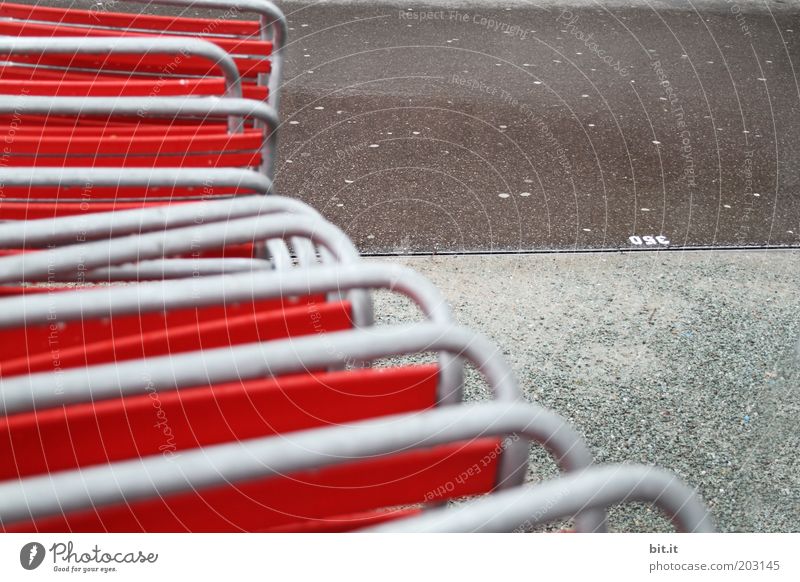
564,497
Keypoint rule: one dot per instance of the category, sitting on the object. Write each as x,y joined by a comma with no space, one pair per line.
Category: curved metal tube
27,45
273,27
44,265
70,229
39,266
254,360
43,233
173,269
152,476
103,302
563,497
122,177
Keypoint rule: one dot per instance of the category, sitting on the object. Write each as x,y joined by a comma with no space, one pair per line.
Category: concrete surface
687,360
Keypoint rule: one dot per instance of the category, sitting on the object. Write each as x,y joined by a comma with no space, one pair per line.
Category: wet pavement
545,128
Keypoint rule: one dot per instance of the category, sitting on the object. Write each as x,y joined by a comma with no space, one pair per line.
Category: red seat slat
124,88
345,523
20,193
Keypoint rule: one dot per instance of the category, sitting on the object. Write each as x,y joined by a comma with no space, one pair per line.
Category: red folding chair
270,483
255,46
158,254
244,147
46,193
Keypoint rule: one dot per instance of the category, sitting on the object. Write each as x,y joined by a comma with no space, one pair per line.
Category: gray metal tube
273,27
563,497
254,360
44,265
39,266
43,233
27,45
156,475
104,302
121,177
172,269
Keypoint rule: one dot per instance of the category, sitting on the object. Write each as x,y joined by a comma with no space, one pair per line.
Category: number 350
649,240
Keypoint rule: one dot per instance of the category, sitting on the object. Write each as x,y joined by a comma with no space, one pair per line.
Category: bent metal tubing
74,259
170,107
42,233
34,45
273,27
563,497
174,269
105,302
43,176
258,360
151,476
71,229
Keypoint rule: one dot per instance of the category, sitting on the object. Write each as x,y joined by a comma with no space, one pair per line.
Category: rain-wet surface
482,130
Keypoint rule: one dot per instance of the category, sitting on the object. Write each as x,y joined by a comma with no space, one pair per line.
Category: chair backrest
255,44
100,325
289,482
86,52
73,262
240,147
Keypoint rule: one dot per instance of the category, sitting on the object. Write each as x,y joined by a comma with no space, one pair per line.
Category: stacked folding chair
186,351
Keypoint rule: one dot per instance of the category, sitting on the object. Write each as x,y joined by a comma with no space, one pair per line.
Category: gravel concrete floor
688,360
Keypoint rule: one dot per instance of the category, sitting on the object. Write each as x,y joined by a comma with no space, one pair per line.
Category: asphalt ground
456,127
545,127
460,126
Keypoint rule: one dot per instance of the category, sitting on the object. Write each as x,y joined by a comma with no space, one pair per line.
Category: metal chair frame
272,27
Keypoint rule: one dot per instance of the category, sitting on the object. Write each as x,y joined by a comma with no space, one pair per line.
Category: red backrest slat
42,128
87,195
233,46
345,523
188,65
125,20
81,435
263,504
122,88
125,88
107,145
30,340
39,210
108,345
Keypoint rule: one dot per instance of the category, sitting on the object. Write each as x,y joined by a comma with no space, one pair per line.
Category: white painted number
649,240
